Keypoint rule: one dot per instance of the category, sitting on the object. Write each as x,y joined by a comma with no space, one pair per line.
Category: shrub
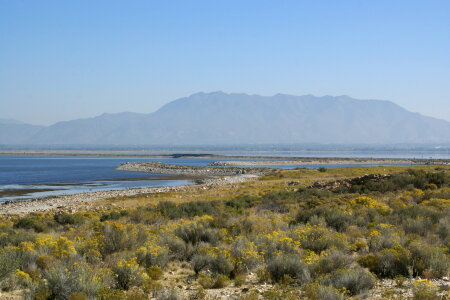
322,169
195,233
69,219
155,272
37,222
63,281
285,292
128,274
187,210
291,266
217,264
420,225
400,280
221,265
239,280
117,236
318,239
429,258
221,281
355,280
388,262
167,294
152,255
277,242
77,296
444,230
206,281
11,237
246,254
315,291
334,217
9,261
241,203
179,248
113,215
334,260
424,290
45,261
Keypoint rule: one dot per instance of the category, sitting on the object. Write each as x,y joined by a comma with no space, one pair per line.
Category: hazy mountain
17,132
220,118
10,122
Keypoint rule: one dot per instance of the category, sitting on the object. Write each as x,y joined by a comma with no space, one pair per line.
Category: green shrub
63,280
195,233
355,280
12,237
179,248
37,222
187,210
246,254
167,294
155,272
239,204
69,219
117,237
424,290
221,281
239,280
334,260
152,255
429,258
388,262
334,217
128,274
319,239
113,215
10,260
291,266
45,261
216,264
400,280
315,291
200,262
322,169
206,281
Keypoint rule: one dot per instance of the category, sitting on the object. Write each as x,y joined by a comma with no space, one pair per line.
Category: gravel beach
86,201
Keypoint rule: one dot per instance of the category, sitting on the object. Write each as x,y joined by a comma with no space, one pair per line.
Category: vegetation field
293,234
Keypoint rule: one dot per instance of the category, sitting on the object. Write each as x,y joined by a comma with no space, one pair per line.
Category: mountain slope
17,132
219,118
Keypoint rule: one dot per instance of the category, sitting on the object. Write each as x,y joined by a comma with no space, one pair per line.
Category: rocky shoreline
86,201
160,168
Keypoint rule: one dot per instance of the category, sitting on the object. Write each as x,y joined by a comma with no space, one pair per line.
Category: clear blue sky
62,60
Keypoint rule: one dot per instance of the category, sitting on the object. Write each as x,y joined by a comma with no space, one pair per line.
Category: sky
63,60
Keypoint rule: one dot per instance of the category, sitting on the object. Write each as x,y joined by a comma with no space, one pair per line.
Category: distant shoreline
271,160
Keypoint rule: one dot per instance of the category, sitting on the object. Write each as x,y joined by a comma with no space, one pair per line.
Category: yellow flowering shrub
152,255
128,273
63,247
368,202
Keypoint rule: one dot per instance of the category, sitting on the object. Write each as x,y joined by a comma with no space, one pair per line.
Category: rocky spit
160,168
84,201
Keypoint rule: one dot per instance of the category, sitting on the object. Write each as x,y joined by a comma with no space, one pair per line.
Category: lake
25,177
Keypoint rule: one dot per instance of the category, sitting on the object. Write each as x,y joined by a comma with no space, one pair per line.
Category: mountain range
225,119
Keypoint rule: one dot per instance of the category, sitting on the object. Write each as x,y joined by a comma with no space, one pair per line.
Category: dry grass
277,181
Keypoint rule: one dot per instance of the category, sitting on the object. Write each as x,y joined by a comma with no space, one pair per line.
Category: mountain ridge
236,118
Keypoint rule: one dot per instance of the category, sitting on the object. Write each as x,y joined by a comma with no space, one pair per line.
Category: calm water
72,174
